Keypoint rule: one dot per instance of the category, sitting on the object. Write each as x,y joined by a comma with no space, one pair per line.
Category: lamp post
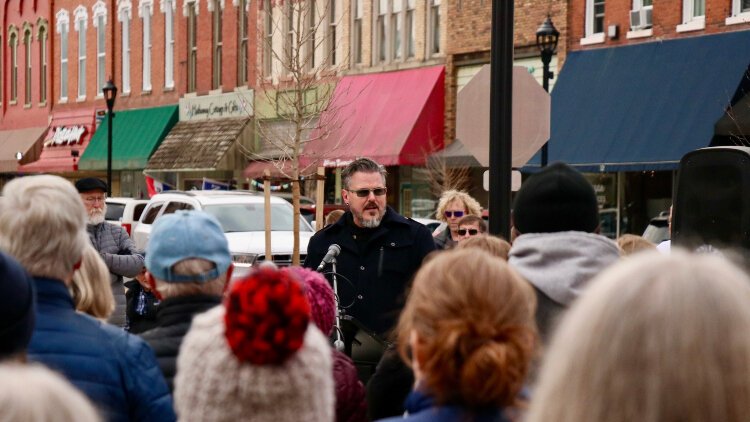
110,93
546,40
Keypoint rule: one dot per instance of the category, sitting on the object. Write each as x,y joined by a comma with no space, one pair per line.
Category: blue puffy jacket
116,370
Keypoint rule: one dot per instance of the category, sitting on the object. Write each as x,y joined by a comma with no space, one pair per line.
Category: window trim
27,50
267,39
192,44
42,37
243,41
125,15
738,16
62,27
146,12
216,8
169,41
689,21
432,29
332,20
355,41
99,11
80,26
13,44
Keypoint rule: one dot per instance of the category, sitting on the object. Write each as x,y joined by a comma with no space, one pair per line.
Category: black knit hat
90,183
556,199
16,307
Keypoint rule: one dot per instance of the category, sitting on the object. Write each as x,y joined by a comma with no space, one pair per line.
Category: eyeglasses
94,199
364,193
457,214
472,232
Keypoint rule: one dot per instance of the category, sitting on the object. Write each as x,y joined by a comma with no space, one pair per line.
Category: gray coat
122,258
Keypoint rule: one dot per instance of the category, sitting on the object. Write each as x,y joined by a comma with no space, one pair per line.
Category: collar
51,290
181,308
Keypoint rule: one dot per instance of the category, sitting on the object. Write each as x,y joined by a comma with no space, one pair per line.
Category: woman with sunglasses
453,206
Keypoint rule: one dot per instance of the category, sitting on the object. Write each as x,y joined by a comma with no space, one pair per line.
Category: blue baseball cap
184,235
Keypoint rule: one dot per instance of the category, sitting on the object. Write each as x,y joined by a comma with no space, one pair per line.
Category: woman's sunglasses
457,214
472,232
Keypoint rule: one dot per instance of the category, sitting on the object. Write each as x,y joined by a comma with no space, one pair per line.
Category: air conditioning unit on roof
641,18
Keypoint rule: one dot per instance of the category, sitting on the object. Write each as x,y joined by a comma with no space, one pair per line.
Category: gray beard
97,217
371,224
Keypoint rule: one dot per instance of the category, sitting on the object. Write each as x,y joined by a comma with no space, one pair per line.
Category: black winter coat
378,269
173,319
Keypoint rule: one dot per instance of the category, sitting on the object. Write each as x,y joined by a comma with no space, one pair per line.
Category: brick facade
32,111
469,31
666,16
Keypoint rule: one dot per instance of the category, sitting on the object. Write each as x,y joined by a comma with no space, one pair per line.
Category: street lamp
110,93
546,40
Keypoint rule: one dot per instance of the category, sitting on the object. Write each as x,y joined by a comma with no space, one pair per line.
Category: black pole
546,59
109,152
501,112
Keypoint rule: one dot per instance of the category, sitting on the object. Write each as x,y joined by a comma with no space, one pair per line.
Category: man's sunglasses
472,232
457,214
364,193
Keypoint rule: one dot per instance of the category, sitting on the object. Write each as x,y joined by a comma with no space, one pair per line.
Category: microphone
333,252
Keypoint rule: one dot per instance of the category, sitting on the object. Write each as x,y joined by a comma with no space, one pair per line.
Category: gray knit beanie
257,357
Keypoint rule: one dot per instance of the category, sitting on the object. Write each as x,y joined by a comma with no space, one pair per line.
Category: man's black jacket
378,268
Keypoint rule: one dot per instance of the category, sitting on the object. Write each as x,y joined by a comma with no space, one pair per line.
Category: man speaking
380,250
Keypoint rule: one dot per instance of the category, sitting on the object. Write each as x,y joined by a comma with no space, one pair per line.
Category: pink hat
320,295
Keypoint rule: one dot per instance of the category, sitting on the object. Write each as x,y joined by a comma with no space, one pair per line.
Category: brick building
24,83
388,102
644,83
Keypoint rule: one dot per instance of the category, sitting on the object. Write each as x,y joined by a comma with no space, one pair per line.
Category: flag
210,184
156,186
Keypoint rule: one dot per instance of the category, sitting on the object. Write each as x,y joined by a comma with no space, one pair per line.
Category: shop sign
221,106
605,186
336,163
66,135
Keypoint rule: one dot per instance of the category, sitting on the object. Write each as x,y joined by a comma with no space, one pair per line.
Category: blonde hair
654,338
631,243
34,393
90,289
48,206
471,205
494,245
475,328
192,266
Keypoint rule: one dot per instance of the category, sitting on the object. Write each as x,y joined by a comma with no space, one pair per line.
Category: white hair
43,225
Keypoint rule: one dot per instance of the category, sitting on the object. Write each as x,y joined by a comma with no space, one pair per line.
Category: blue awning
643,106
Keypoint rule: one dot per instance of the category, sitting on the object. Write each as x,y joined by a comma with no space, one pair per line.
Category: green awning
135,136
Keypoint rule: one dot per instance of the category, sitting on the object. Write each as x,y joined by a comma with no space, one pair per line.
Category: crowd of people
558,323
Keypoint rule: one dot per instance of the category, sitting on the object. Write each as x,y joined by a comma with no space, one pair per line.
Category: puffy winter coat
116,370
122,259
422,408
376,270
173,319
351,405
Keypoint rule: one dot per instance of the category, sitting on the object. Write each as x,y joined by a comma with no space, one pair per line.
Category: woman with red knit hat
257,357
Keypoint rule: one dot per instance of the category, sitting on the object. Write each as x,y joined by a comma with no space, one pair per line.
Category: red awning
69,135
395,118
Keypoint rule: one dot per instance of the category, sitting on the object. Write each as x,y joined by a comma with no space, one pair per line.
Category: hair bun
266,317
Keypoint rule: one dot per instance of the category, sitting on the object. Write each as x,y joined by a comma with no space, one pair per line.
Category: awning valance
135,136
395,118
642,107
202,145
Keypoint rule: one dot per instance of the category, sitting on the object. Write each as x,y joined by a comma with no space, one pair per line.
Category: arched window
100,23
146,11
81,18
27,38
62,19
13,43
124,15
42,37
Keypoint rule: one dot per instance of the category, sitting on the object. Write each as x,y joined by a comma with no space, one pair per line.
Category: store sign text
66,135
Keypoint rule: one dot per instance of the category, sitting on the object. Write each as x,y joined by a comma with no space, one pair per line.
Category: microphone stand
339,342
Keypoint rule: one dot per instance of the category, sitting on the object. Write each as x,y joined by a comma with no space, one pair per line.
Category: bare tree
297,78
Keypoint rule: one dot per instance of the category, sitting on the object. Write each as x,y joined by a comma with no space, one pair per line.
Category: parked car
430,223
242,217
657,230
125,212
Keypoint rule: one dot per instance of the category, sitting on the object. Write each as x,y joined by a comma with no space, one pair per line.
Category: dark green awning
135,136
